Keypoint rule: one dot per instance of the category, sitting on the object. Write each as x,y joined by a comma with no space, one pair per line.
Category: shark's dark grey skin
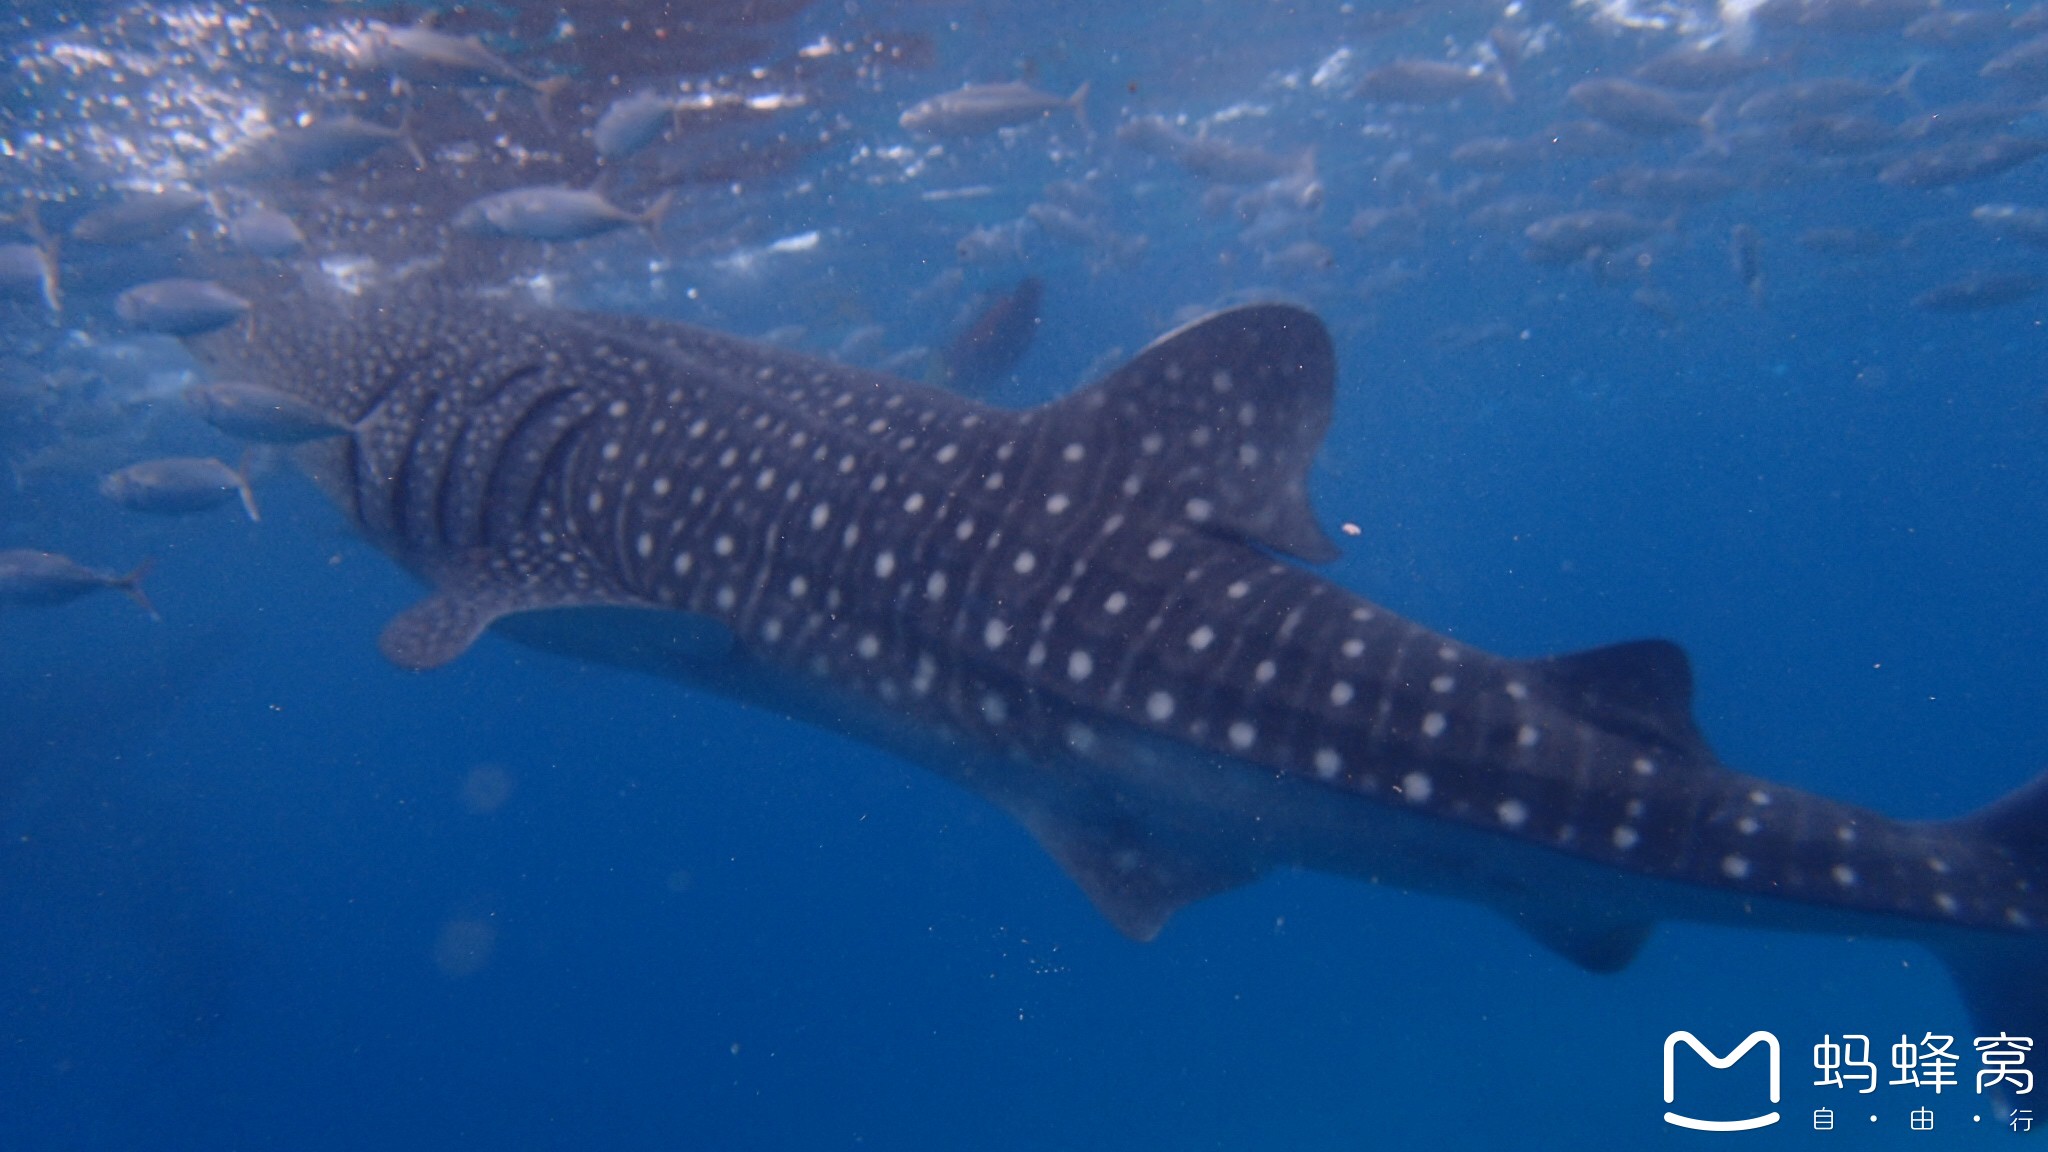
1086,612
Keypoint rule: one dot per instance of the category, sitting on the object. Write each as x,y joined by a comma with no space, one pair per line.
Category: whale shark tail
2003,979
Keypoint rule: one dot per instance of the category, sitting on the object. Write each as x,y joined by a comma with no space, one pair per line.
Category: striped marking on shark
1091,613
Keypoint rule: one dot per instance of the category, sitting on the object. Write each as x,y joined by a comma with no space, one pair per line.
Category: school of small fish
1582,149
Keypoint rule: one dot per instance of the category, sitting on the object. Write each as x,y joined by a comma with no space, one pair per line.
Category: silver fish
1979,291
1958,28
28,275
632,123
139,217
1638,109
1821,96
266,232
2025,63
1693,68
1745,257
425,56
1678,184
176,485
324,145
2028,225
1411,81
263,415
978,109
46,579
546,212
994,243
180,307
1963,162
1211,157
1572,236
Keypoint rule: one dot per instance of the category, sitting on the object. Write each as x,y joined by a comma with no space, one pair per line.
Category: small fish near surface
1301,258
323,145
1841,134
994,243
1820,96
1679,184
1097,614
1746,258
1211,157
1842,17
1070,227
990,346
1979,292
266,232
1693,68
29,276
139,217
1963,162
1637,109
1847,243
632,123
2024,65
2016,221
1414,81
554,213
263,415
1958,28
1499,153
45,579
426,57
179,485
1586,139
1570,237
978,109
180,307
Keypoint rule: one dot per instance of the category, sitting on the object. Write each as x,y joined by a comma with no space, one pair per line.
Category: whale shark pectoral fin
1135,882
479,590
643,638
436,630
1594,943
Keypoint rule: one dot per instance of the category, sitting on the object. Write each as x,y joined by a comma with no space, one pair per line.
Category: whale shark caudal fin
1221,418
2003,980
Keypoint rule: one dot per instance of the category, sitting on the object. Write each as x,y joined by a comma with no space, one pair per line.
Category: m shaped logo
1671,1043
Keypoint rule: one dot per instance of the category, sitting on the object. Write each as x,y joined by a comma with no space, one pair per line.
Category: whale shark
1100,614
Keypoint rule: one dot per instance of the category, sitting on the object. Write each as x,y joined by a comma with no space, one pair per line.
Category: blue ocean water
263,890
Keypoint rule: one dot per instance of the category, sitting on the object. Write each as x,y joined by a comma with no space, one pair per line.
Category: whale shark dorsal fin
1217,421
1642,687
1135,882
